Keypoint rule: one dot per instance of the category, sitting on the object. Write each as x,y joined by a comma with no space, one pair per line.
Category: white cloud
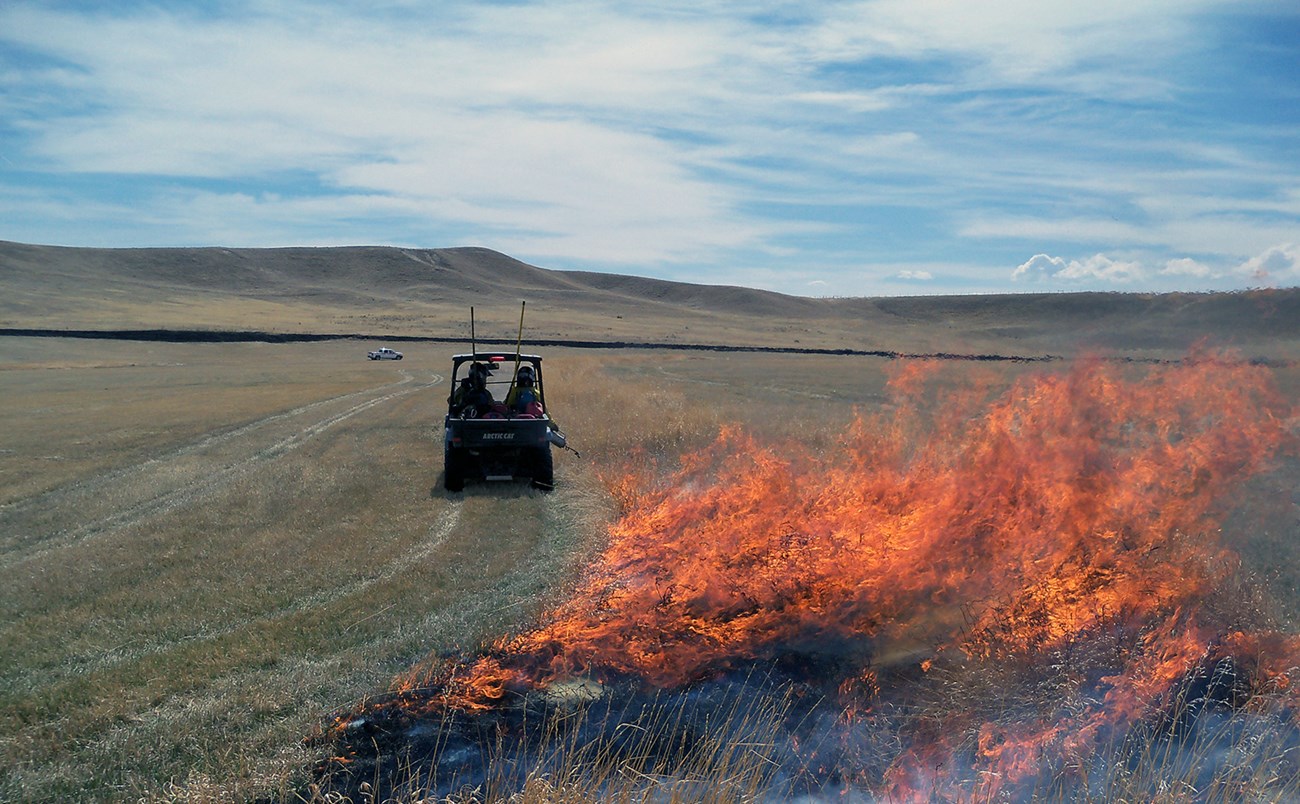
1039,267
1278,265
487,122
1015,40
1097,268
884,146
1223,231
849,101
1185,266
915,276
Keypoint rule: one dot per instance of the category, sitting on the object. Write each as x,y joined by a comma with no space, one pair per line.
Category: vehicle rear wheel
453,478
543,470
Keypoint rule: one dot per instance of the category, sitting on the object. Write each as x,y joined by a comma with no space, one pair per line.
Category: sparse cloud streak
850,148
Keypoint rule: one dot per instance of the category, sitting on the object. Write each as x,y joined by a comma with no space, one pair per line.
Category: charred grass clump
577,743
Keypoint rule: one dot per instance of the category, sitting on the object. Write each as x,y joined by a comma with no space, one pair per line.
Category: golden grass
206,549
78,407
186,608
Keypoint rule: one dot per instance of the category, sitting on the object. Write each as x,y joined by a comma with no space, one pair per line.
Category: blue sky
865,147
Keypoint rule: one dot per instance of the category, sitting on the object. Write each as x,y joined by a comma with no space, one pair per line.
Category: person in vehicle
523,397
472,398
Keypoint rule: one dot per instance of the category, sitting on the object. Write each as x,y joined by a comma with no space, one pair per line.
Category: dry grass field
210,550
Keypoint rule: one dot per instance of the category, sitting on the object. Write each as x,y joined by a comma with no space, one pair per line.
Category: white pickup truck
384,354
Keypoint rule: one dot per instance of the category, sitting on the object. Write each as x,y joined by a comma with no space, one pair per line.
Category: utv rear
498,444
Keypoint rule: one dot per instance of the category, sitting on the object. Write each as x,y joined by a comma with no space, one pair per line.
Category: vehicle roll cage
502,363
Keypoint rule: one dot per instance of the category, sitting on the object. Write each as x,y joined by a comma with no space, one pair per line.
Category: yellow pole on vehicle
519,348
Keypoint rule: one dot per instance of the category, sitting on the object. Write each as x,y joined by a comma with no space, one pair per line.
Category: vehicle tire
543,470
453,478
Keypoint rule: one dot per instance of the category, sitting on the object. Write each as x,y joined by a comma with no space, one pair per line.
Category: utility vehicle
488,441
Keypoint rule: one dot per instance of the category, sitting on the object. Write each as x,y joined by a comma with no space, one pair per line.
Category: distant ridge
409,292
349,273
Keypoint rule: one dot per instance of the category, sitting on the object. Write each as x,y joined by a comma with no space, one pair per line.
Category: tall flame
981,528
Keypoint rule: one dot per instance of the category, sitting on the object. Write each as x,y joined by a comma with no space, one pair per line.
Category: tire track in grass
265,442
95,485
435,537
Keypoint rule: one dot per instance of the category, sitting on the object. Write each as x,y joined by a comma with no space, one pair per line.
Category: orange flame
983,529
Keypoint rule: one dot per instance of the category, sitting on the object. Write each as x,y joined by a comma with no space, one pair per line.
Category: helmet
478,375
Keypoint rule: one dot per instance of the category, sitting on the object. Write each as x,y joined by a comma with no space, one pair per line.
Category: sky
855,148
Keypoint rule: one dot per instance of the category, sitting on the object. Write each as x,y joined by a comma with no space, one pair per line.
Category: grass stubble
188,600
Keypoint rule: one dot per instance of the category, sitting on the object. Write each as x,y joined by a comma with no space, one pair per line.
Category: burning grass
980,594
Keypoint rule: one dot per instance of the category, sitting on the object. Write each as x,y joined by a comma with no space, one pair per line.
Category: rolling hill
385,291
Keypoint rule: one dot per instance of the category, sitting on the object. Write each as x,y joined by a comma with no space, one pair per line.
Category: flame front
972,530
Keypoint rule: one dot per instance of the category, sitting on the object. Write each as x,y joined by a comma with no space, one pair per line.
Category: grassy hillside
392,291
